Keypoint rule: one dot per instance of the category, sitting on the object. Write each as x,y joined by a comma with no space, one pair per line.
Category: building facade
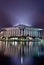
20,40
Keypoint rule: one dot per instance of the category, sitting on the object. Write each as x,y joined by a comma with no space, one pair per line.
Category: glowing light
30,38
15,41
30,43
21,60
23,20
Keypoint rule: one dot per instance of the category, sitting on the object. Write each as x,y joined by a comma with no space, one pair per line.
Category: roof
22,27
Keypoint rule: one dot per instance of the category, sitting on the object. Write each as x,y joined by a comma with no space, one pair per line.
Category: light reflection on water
26,60
5,60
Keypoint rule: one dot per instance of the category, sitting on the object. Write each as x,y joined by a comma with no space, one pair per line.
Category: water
5,60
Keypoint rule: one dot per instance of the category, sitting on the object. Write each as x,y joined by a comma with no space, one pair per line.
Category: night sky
27,12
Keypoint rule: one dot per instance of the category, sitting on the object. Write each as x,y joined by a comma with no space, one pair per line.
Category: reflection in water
5,60
26,60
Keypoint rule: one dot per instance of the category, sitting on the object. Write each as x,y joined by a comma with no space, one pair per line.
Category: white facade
14,33
20,31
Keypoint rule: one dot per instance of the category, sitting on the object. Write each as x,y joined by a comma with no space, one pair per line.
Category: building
20,40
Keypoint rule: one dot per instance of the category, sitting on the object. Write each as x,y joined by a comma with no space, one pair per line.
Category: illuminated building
20,40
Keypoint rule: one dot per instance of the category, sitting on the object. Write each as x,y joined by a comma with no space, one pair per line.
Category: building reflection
21,40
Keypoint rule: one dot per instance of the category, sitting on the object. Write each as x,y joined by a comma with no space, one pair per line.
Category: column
6,41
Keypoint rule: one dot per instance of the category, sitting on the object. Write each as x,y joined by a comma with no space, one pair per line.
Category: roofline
23,25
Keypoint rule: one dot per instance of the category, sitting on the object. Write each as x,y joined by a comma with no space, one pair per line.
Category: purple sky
28,12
